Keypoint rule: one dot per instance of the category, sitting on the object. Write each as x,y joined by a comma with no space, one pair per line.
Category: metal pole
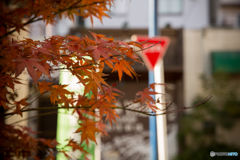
161,120
158,128
48,31
152,31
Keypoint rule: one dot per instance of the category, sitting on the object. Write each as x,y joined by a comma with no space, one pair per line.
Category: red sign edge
144,57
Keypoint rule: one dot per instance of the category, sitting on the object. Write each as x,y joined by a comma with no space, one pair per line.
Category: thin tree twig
11,114
124,108
148,47
38,115
185,108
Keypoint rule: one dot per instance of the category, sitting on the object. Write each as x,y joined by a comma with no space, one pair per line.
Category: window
170,6
238,21
119,8
80,21
213,12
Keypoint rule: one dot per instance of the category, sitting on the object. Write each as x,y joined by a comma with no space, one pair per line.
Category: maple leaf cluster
16,14
84,57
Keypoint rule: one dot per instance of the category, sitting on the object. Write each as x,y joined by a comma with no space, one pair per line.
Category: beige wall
22,92
192,64
198,44
21,89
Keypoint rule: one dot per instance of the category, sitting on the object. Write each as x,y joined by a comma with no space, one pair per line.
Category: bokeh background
203,59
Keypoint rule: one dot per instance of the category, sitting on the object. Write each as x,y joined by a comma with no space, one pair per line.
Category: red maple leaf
145,95
31,64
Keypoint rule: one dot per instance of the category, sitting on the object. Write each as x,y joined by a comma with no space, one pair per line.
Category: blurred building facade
22,90
197,28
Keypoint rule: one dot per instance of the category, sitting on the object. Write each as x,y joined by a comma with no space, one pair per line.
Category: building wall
21,89
198,45
228,13
134,14
192,64
22,92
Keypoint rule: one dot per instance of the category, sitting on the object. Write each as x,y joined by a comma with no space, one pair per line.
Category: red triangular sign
153,50
153,57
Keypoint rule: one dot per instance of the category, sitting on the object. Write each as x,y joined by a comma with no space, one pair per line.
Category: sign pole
152,31
48,31
157,124
152,56
161,120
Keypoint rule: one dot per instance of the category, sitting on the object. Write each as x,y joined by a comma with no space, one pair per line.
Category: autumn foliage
84,57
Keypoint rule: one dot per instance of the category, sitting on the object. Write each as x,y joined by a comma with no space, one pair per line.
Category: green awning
226,62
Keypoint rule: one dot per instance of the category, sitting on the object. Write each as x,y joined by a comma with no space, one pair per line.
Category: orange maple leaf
60,91
101,126
124,66
111,116
76,146
44,86
102,105
88,130
97,51
20,104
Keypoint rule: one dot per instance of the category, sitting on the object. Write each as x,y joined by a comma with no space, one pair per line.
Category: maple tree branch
124,108
38,115
12,31
12,113
184,108
57,108
166,112
34,100
37,97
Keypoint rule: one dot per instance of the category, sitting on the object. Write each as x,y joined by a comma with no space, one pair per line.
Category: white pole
161,120
97,151
152,31
158,78
48,31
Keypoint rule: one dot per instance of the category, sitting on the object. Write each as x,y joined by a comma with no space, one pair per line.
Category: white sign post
161,120
153,58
